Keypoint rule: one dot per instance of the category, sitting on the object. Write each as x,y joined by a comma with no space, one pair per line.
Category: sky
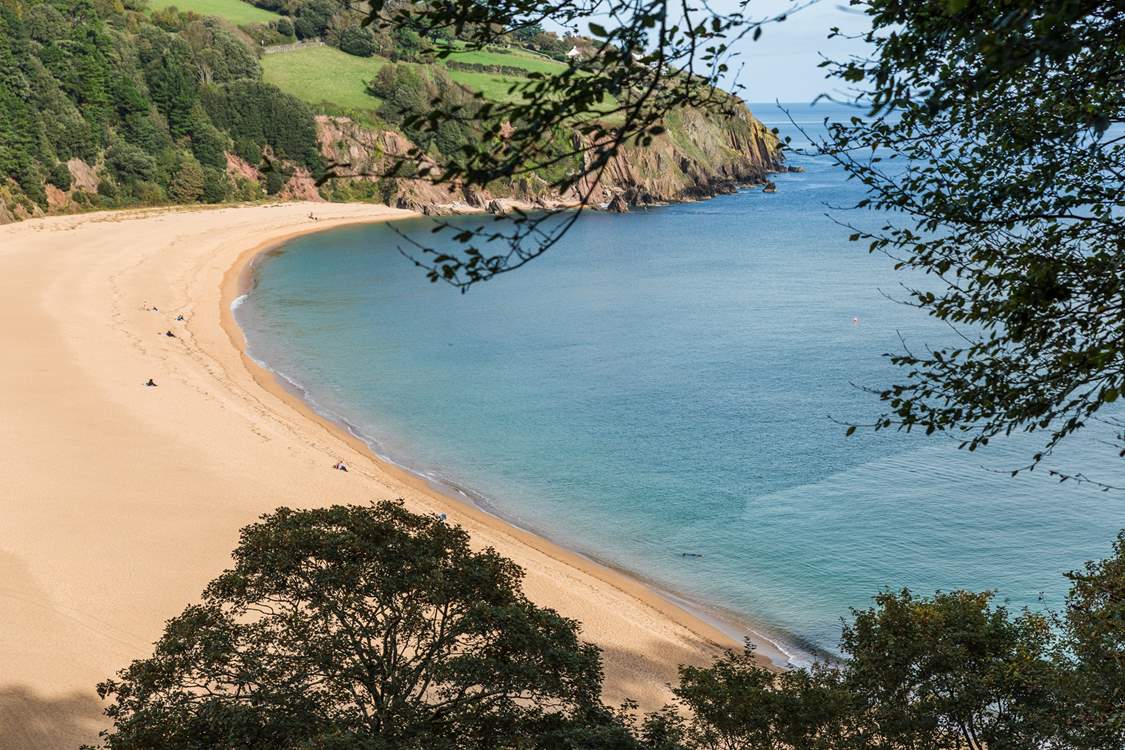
782,64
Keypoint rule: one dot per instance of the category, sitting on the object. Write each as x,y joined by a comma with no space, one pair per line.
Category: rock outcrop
358,154
698,156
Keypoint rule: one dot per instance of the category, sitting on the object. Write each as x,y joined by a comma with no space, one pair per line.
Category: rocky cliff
699,155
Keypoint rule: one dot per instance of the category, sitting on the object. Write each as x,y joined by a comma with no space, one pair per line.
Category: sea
667,392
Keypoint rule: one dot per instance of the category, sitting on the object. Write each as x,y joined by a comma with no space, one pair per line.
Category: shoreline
238,282
121,502
727,629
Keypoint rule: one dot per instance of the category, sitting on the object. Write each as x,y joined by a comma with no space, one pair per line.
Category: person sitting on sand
151,383
169,334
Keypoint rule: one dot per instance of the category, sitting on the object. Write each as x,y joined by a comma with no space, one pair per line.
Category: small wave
237,303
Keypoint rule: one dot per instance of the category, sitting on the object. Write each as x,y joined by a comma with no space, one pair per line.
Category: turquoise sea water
665,382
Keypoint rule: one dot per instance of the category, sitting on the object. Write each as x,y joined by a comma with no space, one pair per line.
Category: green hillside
511,57
235,11
103,105
324,75
327,76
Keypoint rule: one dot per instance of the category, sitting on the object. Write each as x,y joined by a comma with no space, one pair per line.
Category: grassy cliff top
325,75
330,77
236,11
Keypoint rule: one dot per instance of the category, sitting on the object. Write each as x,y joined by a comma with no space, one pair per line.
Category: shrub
284,26
247,150
216,185
207,143
409,44
312,16
148,193
128,163
60,176
358,41
107,186
275,181
508,70
187,181
246,189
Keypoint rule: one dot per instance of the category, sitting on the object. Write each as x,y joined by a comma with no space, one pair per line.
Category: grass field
324,75
327,76
493,85
235,11
512,58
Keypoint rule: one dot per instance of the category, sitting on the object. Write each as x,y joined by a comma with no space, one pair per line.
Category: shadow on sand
30,722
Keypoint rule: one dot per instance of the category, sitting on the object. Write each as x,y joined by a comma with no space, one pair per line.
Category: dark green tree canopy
357,627
949,672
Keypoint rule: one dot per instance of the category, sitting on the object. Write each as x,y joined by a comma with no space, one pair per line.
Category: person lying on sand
340,466
169,334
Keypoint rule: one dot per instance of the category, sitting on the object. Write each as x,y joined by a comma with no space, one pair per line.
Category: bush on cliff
60,176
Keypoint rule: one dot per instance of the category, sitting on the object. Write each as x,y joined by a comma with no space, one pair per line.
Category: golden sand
119,502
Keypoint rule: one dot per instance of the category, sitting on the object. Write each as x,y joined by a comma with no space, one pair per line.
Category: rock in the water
770,187
794,169
618,205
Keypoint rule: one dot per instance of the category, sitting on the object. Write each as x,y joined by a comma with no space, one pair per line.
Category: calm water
662,382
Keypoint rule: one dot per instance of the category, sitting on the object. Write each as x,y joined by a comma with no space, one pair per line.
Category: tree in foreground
373,628
358,627
992,133
948,672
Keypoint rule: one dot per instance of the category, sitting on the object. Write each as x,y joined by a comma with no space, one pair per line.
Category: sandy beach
119,502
